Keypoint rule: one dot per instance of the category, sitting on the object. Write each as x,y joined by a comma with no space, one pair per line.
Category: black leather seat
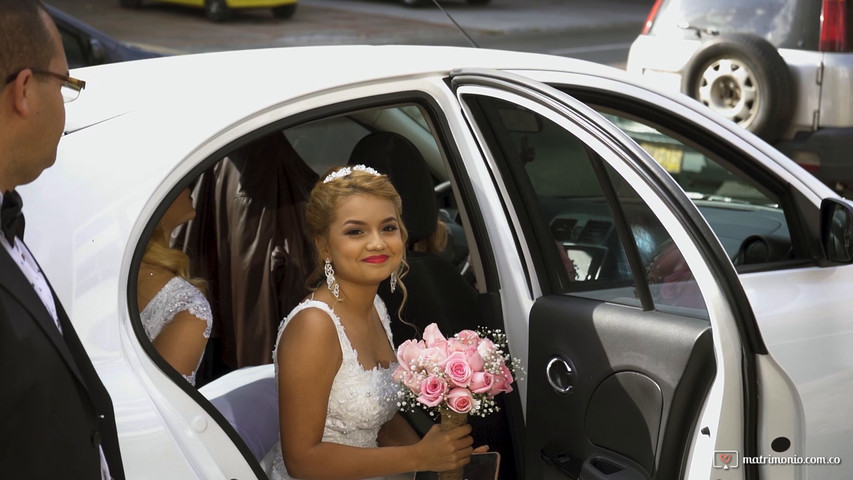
437,293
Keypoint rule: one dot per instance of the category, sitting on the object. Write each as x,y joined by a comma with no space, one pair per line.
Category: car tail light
651,18
833,26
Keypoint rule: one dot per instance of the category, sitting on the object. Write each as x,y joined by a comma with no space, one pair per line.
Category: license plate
669,157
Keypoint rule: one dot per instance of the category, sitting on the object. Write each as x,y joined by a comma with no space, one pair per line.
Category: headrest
395,156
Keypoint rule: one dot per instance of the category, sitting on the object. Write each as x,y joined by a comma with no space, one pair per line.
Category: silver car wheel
729,88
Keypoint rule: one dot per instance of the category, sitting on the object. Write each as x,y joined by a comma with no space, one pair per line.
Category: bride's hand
441,451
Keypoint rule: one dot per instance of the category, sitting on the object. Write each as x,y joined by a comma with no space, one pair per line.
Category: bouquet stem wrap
451,419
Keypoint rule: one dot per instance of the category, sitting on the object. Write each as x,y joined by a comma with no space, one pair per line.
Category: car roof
136,122
226,83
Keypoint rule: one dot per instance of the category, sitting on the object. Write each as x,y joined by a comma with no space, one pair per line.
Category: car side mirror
97,51
836,230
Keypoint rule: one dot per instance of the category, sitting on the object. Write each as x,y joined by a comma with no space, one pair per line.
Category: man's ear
21,90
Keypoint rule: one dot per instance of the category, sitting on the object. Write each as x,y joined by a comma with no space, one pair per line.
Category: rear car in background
86,46
780,68
220,10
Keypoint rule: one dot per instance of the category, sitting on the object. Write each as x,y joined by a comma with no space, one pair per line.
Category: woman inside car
173,308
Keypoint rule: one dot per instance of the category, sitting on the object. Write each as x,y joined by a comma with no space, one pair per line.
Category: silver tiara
343,172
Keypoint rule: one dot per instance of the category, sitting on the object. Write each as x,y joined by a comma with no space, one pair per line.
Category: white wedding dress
176,296
360,402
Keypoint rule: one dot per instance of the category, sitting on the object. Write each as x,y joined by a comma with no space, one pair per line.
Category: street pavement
176,29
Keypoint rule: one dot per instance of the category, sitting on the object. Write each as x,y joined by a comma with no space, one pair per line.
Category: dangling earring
330,278
393,281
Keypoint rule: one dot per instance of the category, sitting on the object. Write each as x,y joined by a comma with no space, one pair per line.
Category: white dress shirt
25,261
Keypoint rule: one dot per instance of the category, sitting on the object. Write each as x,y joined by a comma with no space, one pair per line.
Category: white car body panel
836,112
118,185
818,297
647,60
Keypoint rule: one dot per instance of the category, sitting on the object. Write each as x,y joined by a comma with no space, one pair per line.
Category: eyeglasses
70,88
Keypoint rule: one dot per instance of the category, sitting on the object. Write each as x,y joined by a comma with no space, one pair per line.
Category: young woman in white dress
174,311
334,355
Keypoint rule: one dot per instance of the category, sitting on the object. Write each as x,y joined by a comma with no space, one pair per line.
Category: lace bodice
178,295
360,402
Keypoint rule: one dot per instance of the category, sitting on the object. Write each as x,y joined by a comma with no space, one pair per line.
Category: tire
284,11
478,2
416,3
743,78
216,10
129,3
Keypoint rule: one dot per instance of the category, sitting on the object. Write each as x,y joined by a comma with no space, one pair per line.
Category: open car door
642,353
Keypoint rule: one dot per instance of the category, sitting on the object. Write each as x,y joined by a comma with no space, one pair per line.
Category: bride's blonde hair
322,205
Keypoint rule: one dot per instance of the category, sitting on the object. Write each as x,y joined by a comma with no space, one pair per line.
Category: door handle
560,375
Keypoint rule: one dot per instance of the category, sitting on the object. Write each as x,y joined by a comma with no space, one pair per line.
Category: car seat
248,399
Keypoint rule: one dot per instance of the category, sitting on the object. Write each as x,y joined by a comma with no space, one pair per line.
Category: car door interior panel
633,388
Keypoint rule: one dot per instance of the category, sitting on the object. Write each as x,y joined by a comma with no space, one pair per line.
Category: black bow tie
11,217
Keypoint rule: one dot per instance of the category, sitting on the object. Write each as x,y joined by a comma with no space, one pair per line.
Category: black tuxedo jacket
55,410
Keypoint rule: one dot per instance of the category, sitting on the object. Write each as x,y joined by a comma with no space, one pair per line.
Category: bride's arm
308,358
397,432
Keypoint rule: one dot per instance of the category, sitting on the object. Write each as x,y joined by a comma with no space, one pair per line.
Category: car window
327,142
784,23
74,51
748,218
248,227
580,206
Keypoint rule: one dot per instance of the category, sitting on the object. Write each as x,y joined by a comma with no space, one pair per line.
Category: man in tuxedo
58,419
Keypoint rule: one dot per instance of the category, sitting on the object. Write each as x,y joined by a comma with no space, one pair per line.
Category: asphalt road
597,30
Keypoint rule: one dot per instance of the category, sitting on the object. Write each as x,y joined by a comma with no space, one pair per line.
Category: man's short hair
24,38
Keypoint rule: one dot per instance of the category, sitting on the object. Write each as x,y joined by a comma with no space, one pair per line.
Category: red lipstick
376,259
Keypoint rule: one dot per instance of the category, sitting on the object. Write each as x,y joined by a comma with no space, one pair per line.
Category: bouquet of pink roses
462,373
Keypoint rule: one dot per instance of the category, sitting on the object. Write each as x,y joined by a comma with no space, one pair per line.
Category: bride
334,355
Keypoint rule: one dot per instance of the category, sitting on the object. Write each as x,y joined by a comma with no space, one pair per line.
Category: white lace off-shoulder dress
360,402
178,295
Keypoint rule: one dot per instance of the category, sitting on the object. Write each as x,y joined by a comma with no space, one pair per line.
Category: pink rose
486,348
431,357
432,391
474,359
468,338
481,382
458,370
401,374
408,353
434,338
407,378
501,383
460,400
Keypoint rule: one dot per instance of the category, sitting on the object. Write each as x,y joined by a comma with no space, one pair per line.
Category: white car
678,291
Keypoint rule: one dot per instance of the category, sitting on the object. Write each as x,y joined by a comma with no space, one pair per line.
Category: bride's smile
365,244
